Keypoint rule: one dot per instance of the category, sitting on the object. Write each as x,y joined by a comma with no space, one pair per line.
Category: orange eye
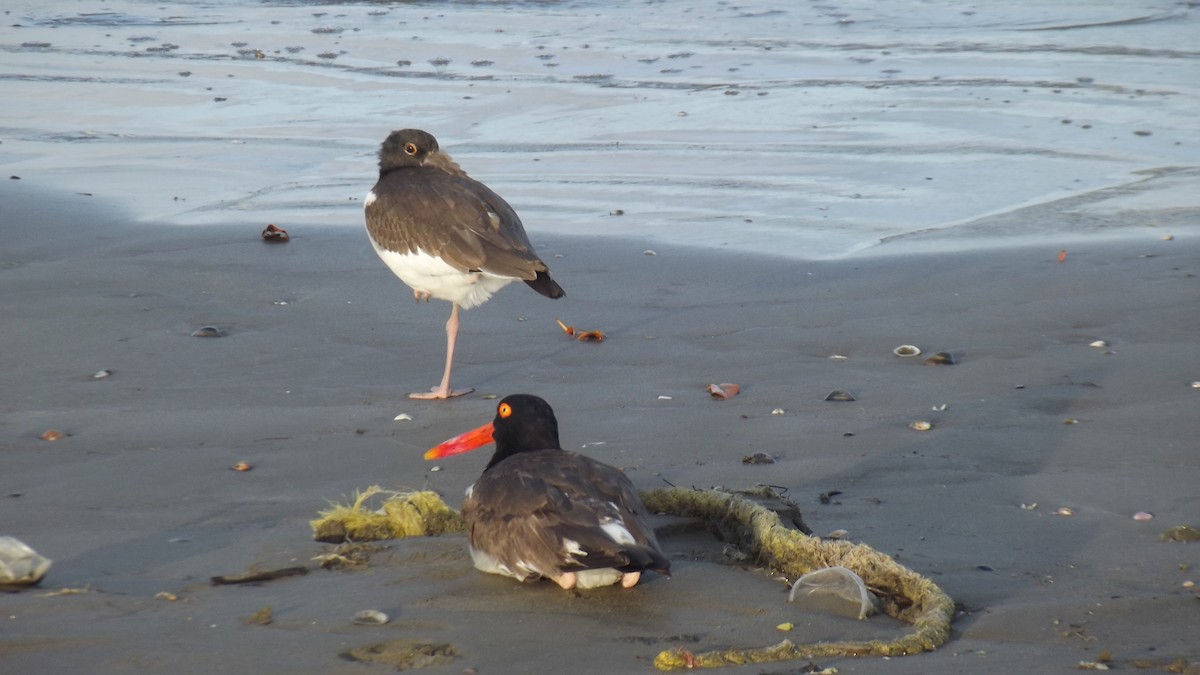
409,148
504,410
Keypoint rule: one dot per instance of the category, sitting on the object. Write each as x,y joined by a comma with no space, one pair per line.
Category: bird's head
523,423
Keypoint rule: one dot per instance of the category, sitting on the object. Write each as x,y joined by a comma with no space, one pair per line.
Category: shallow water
810,131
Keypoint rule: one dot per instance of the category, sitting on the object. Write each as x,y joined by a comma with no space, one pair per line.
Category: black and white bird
539,511
446,235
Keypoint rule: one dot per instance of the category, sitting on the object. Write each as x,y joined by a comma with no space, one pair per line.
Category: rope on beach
903,594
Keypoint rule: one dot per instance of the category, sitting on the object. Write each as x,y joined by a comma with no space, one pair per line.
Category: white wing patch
571,547
616,530
370,199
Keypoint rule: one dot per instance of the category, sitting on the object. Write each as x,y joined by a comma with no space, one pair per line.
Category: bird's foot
439,393
422,295
566,581
630,579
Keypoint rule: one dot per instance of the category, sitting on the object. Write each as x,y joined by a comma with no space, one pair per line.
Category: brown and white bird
540,511
446,235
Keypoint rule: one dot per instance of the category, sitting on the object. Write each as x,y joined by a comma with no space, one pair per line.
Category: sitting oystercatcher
540,511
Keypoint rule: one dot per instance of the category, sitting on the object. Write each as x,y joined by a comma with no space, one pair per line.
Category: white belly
430,274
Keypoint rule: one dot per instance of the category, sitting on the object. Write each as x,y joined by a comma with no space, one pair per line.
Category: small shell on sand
1064,511
839,395
907,350
1099,344
1143,515
19,564
51,435
207,332
241,466
939,359
370,617
101,374
921,425
837,534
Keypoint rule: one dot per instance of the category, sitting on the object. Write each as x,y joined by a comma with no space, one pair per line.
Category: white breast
428,273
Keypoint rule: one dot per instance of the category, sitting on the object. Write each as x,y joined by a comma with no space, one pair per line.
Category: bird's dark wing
557,512
453,216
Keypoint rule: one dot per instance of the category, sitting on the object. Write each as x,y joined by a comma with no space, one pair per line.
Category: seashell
1070,420
785,626
920,425
1064,511
649,252
940,359
777,411
758,458
370,617
241,466
724,390
838,357
837,534
402,417
1029,507
1143,515
907,350
275,235
52,435
19,564
207,332
163,595
435,469
1196,384
101,374
1098,344
939,408
839,395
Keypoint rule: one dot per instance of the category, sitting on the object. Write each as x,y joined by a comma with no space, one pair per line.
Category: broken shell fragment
1065,511
370,617
907,350
101,374
839,395
207,332
19,564
51,435
275,235
920,425
837,534
1098,344
1143,515
940,359
724,390
241,466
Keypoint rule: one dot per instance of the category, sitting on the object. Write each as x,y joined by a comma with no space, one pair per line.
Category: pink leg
443,390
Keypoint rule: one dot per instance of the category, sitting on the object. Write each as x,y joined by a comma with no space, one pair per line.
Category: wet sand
138,498
814,180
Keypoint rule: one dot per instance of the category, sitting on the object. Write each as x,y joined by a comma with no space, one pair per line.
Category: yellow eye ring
505,410
410,148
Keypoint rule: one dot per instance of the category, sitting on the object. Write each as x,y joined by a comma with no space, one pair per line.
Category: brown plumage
446,235
539,511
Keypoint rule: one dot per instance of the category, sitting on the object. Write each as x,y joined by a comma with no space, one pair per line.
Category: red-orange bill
461,443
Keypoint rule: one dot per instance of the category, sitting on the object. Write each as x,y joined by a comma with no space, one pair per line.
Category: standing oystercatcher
446,235
540,511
